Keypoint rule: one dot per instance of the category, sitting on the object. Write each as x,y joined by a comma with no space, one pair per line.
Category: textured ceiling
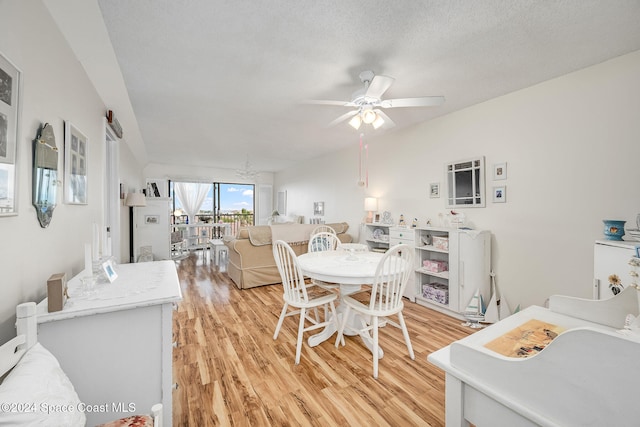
211,82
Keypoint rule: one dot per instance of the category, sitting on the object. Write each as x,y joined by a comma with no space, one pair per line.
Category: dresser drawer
403,235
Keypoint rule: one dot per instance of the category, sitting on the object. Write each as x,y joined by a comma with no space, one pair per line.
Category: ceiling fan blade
424,101
378,86
343,117
388,123
328,102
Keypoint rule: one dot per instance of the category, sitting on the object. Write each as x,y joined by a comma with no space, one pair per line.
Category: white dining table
350,270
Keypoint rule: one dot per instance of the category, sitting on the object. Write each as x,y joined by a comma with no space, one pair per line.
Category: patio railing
235,220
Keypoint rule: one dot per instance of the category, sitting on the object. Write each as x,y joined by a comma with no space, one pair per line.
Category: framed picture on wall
76,163
318,208
499,171
500,194
434,190
10,104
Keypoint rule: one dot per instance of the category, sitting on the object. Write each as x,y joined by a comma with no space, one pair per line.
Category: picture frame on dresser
109,270
76,164
10,108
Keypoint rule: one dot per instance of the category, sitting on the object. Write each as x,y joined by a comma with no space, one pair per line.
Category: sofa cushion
261,235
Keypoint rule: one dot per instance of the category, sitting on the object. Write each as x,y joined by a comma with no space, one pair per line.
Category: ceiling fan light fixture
355,122
369,116
379,121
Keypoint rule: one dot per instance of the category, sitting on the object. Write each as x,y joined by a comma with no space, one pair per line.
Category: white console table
587,376
116,345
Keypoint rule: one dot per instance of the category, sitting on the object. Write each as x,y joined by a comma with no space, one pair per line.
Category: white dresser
116,346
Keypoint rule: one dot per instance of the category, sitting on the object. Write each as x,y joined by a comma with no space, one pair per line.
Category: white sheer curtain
191,196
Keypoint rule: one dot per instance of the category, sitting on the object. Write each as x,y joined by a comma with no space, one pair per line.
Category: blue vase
613,229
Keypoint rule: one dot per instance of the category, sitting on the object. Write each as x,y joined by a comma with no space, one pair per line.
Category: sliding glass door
229,203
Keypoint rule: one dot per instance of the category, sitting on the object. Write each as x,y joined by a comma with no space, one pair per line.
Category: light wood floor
230,371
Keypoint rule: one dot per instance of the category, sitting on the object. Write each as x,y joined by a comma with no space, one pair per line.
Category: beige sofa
251,261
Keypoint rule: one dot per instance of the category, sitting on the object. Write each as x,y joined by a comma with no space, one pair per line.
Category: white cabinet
404,235
376,236
116,346
466,255
611,257
151,228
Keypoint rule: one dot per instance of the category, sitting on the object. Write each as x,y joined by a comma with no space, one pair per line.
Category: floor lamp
133,200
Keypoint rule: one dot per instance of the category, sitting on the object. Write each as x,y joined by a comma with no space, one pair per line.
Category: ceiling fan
367,103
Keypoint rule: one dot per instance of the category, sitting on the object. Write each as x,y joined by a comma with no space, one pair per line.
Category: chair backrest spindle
392,276
323,241
290,273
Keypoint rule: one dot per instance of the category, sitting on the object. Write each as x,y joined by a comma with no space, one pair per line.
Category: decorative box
441,243
56,292
436,292
435,266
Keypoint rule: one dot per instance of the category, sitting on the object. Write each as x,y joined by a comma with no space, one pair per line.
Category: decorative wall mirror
465,183
45,174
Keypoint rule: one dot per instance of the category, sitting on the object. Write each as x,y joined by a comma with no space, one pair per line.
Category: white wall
572,147
55,89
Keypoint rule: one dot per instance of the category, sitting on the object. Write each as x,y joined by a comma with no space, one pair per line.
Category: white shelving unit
468,257
377,241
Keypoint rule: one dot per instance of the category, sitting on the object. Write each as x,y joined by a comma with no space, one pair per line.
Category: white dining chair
323,241
319,242
392,275
295,295
323,229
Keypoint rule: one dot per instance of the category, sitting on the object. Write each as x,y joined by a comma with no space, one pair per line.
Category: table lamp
370,205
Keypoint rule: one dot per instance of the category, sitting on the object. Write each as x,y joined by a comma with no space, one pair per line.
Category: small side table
217,246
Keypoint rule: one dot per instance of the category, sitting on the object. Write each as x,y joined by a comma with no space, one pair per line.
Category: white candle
107,251
95,243
88,265
104,242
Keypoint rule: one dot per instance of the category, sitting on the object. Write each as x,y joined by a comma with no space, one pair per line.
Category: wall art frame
318,208
76,164
499,171
500,194
434,190
10,115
